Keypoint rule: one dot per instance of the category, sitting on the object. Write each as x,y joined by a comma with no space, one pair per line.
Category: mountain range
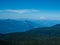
36,36
10,26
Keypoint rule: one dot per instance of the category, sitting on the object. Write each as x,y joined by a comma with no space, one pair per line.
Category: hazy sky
30,9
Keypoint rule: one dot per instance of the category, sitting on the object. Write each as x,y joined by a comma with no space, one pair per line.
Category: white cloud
28,14
22,11
42,17
15,14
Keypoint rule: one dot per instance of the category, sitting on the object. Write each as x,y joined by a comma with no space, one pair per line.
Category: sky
30,9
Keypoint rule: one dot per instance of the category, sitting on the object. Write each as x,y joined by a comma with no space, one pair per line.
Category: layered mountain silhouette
9,25
36,36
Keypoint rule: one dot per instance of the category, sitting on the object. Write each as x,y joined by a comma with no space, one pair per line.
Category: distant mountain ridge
10,26
36,36
7,26
51,31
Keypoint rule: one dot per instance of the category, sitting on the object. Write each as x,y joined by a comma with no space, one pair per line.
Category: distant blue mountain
45,23
9,25
36,36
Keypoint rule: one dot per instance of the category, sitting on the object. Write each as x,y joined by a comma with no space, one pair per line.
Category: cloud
18,14
28,14
22,11
42,17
